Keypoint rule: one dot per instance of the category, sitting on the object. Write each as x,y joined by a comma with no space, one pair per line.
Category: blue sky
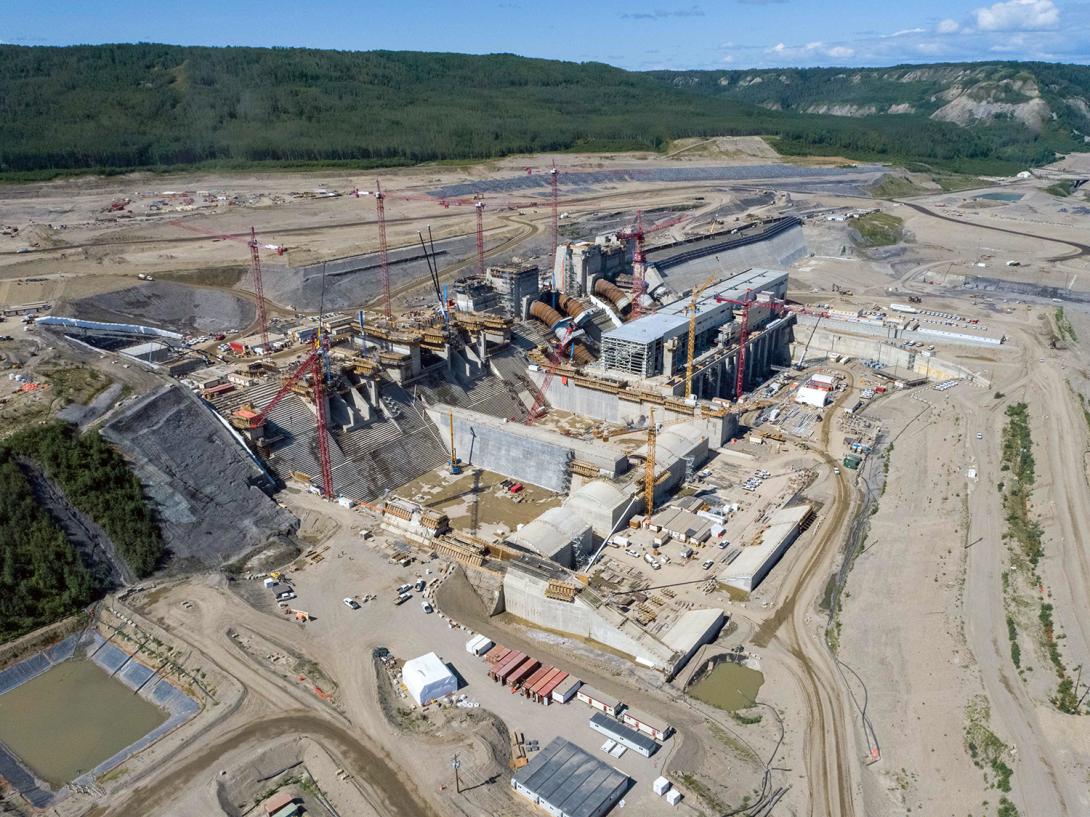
636,34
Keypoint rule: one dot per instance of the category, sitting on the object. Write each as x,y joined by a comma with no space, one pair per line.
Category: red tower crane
554,195
554,179
312,366
380,196
556,357
259,291
743,338
637,233
255,269
478,208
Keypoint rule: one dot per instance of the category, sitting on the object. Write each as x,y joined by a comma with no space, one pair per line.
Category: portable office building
599,700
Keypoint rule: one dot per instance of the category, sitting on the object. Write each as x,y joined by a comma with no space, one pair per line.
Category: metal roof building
624,735
642,347
568,782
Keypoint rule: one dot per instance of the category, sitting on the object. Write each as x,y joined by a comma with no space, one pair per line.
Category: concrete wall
524,597
528,454
506,452
777,252
606,406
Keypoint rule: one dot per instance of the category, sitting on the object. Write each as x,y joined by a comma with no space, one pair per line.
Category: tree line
42,577
120,107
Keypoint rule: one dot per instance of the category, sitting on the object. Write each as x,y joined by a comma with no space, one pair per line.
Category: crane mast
649,472
383,250
259,292
692,337
478,207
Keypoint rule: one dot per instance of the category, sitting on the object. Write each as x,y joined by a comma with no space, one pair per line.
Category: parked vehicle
351,604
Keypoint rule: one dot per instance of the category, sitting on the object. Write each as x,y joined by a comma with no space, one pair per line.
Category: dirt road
795,640
394,796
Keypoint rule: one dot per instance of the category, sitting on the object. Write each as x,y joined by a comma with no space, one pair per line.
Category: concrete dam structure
526,453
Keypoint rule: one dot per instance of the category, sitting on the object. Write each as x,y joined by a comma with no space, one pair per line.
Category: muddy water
71,718
728,686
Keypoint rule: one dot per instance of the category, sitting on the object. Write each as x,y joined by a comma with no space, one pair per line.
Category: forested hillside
118,107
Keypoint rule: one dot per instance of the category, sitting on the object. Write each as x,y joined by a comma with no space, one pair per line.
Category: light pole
456,764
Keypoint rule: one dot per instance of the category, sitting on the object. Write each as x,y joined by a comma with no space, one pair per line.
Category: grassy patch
1012,635
731,742
76,384
878,230
1085,405
893,187
703,791
953,182
1025,535
1063,325
1061,189
987,750
746,720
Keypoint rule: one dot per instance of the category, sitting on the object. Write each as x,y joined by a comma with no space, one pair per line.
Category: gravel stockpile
203,482
168,305
352,281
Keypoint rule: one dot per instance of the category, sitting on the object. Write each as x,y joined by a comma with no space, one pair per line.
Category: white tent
428,678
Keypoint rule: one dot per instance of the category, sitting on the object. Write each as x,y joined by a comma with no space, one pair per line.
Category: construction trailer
649,725
608,704
566,690
624,735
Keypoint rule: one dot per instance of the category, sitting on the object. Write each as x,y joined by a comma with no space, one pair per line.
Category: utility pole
456,764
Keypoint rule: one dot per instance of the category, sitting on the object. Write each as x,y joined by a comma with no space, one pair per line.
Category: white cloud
812,50
728,59
1018,15
948,26
904,32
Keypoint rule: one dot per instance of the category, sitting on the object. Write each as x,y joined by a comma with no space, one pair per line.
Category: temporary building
478,645
566,690
624,735
648,724
567,781
601,701
428,678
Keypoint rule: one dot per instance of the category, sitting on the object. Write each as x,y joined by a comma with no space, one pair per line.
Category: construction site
538,458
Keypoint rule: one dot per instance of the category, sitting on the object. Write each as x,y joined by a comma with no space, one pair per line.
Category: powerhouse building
657,344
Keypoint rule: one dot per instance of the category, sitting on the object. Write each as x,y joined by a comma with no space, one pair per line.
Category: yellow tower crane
692,336
455,467
649,474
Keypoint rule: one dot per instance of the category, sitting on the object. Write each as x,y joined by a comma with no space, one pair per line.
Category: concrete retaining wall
524,597
528,454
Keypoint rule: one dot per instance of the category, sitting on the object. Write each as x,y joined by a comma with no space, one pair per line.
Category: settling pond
1007,197
71,718
727,686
